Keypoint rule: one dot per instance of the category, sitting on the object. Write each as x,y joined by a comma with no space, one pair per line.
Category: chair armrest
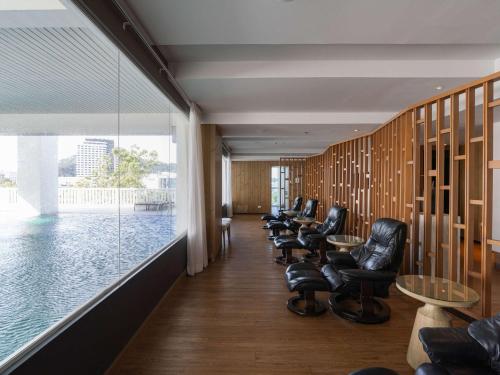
452,346
339,258
357,274
308,231
316,236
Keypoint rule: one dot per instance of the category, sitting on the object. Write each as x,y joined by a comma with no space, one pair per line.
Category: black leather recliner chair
289,224
472,350
296,206
312,239
361,275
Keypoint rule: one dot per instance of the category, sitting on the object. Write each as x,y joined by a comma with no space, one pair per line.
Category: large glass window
92,167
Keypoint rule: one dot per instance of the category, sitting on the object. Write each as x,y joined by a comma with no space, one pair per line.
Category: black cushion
287,242
305,277
276,225
487,333
300,266
269,217
446,346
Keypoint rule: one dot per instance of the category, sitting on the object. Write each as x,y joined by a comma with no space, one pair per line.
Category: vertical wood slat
487,195
439,206
453,246
416,188
427,189
469,164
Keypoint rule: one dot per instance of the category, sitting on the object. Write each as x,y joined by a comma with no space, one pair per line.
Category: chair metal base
312,306
372,310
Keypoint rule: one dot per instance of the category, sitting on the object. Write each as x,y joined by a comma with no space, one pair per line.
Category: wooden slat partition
341,176
422,167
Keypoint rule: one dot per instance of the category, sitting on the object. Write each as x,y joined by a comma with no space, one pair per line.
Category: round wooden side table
291,213
436,293
344,242
304,221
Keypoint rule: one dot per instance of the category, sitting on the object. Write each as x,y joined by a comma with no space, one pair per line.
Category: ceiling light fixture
356,130
439,88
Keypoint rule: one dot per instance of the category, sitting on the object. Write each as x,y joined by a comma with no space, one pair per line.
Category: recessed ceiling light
356,130
439,88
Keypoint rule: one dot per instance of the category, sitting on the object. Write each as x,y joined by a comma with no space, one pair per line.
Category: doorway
279,188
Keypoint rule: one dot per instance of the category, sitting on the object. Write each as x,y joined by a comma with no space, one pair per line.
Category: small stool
286,244
226,230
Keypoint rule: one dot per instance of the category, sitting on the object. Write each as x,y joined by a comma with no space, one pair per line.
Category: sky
67,146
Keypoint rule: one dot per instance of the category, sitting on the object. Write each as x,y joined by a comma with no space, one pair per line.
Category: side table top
304,220
344,240
437,291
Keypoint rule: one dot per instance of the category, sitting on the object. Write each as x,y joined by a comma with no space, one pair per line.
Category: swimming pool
51,265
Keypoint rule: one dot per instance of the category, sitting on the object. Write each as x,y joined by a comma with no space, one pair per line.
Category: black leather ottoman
276,227
305,279
286,244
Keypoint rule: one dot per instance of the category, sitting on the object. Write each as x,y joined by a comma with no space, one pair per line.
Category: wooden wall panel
430,166
251,186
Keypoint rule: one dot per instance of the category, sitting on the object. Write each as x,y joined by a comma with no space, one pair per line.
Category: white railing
91,197
8,195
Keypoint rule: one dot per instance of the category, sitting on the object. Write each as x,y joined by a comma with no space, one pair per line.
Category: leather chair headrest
297,203
384,230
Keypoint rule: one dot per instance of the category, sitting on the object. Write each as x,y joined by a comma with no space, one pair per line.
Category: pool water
51,265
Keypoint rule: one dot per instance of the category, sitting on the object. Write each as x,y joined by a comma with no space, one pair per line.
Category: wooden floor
232,319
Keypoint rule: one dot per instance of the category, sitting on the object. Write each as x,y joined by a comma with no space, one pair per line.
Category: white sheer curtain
229,194
197,257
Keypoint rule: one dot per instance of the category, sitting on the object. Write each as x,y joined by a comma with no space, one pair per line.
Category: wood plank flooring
232,319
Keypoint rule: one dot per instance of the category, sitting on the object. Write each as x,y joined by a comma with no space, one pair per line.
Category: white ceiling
266,70
172,22
67,67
